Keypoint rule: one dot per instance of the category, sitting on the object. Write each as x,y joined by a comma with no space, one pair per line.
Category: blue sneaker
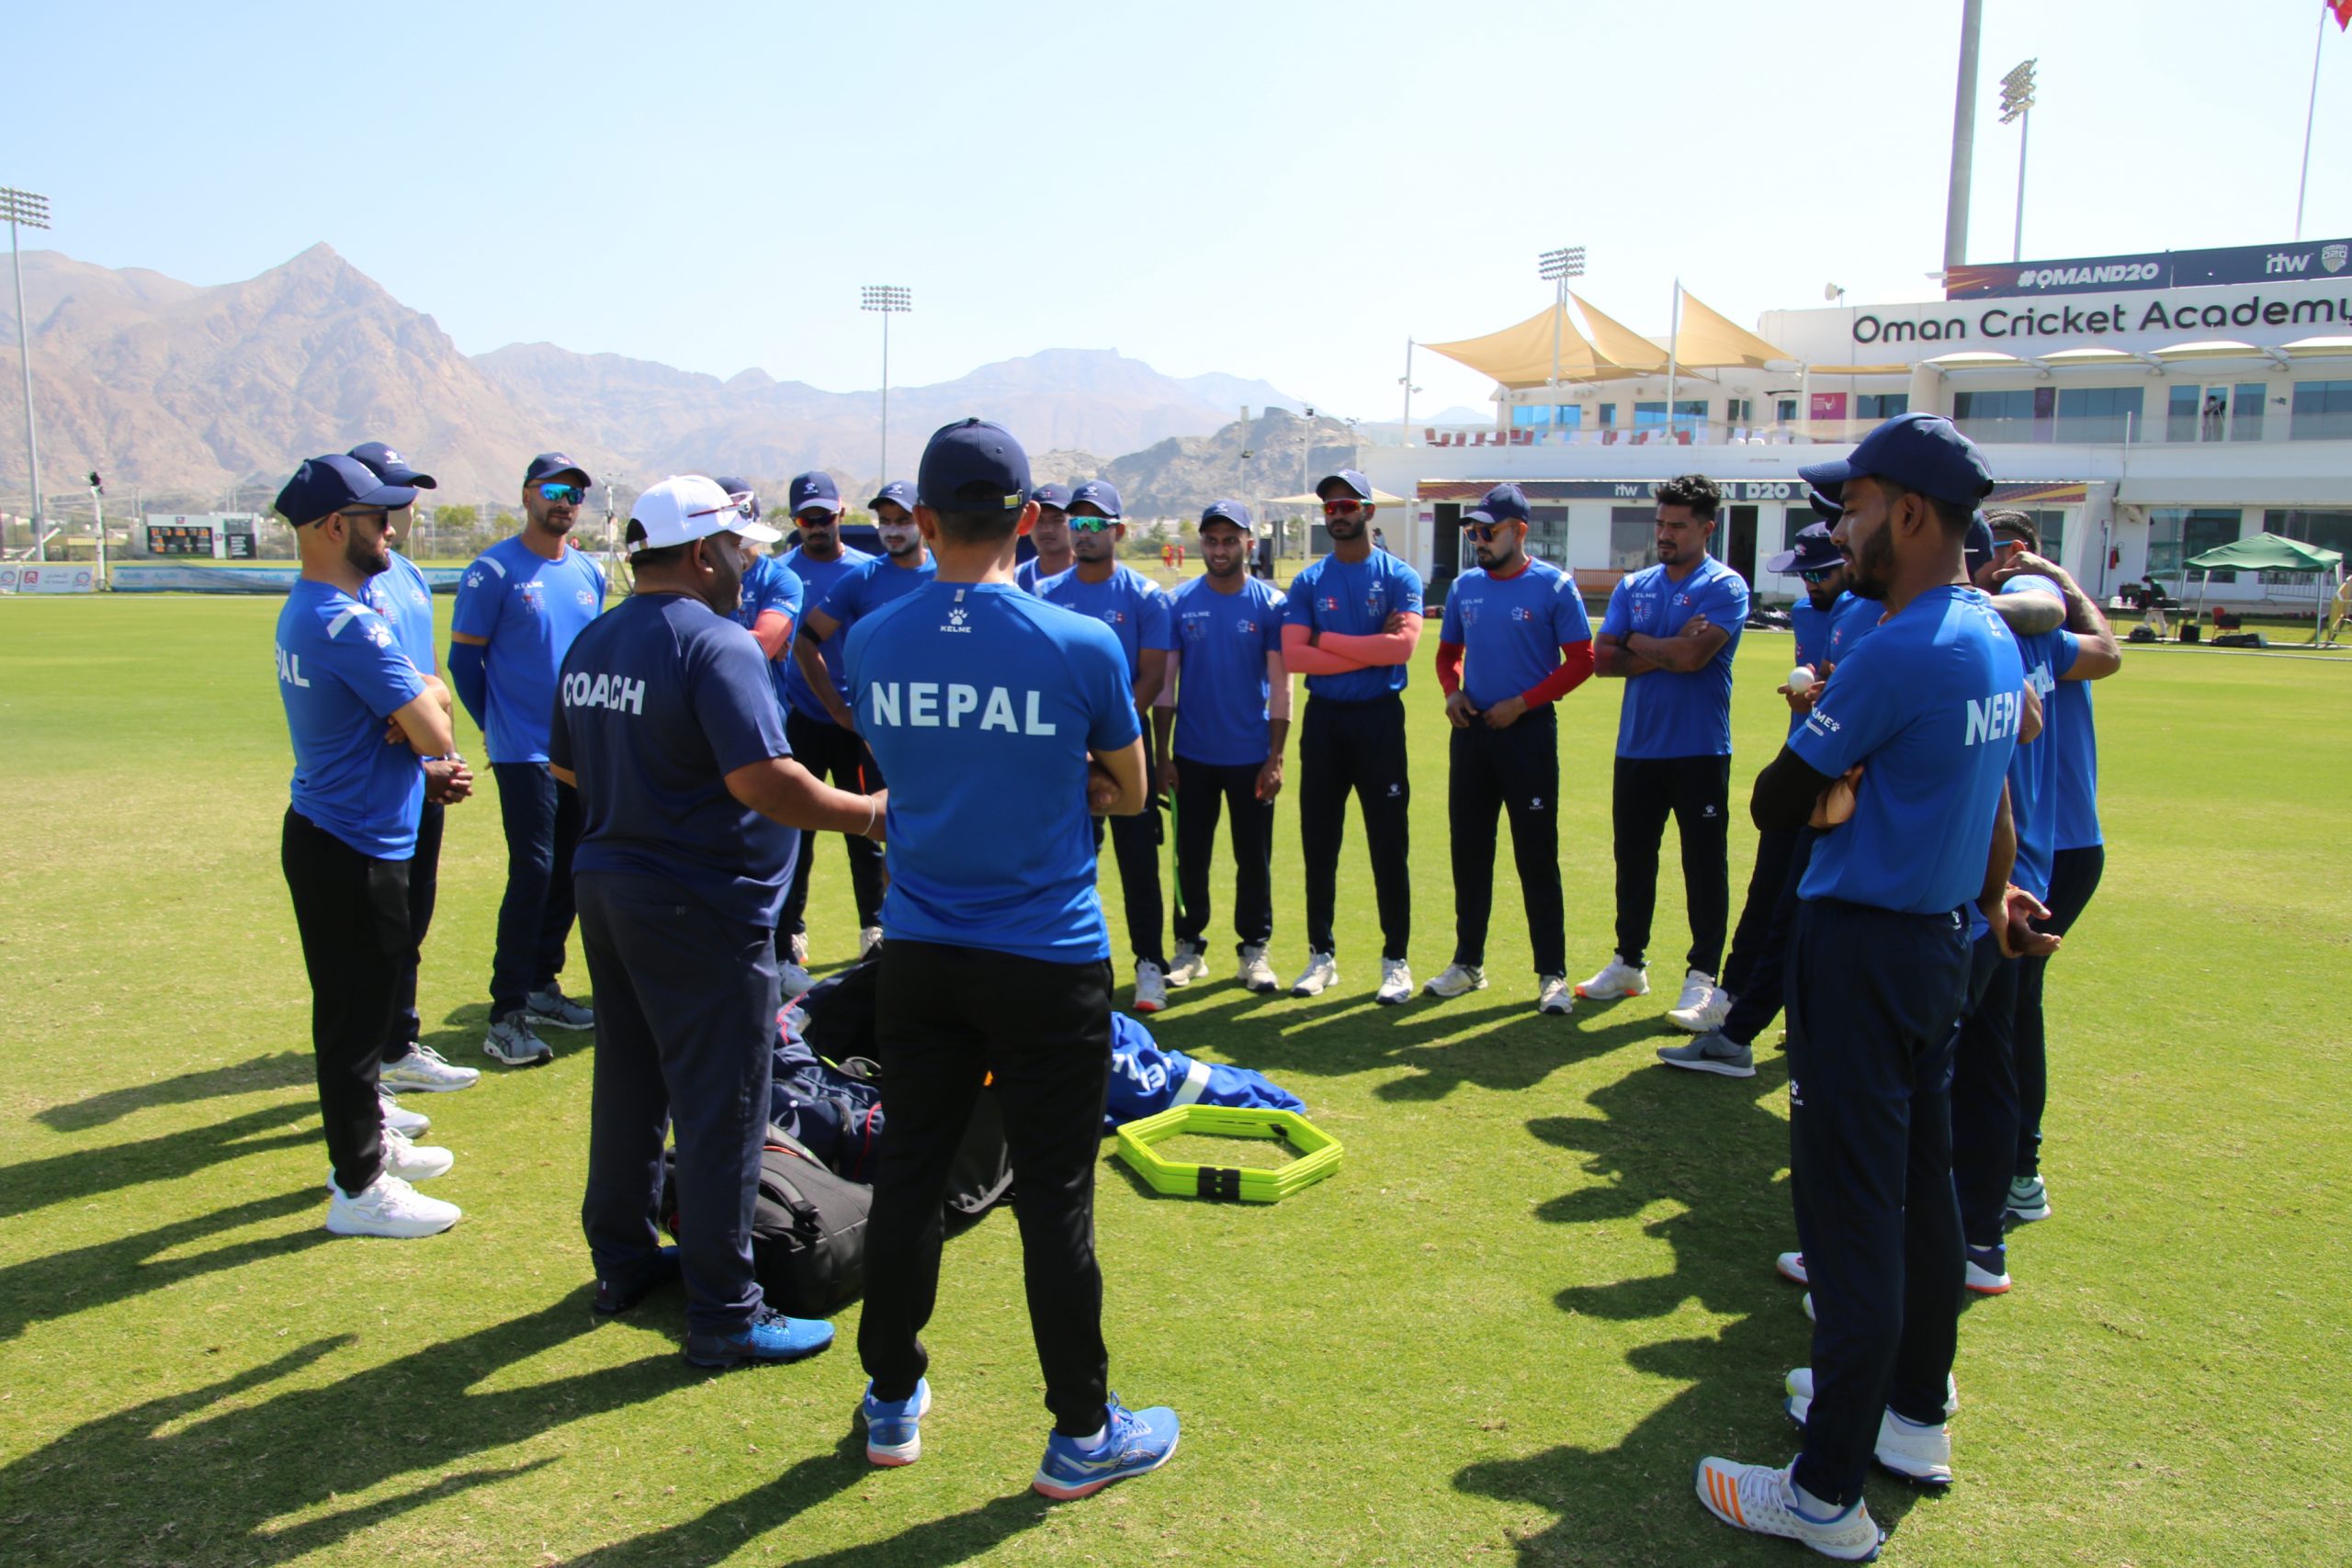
893,1426
1133,1442
771,1336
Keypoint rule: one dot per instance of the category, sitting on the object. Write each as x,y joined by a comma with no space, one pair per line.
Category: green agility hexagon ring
1317,1151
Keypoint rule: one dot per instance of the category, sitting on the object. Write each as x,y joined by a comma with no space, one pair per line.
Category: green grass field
1539,1288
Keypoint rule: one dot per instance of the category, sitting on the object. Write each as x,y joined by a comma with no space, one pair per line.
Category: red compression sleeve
1449,666
1575,667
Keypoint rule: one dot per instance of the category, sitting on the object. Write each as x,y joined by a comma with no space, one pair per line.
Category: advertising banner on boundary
140,578
48,577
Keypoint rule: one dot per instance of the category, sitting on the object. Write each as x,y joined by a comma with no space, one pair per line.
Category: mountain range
181,389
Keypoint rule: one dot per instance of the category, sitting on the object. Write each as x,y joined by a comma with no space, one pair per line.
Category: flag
2343,9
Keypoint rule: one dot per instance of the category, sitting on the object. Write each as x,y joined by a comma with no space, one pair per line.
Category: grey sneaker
1713,1051
555,1009
511,1041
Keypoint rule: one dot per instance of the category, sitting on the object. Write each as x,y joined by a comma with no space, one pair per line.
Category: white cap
686,507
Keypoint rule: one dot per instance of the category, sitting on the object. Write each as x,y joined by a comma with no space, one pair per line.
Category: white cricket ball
1800,678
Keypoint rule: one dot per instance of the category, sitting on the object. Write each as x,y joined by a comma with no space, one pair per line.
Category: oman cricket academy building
2141,409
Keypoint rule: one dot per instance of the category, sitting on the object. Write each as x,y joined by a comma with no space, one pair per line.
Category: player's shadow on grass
1713,1148
226,1464
58,1284
167,1156
1492,1040
280,1069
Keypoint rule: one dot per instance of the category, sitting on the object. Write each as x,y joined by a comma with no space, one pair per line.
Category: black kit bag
807,1229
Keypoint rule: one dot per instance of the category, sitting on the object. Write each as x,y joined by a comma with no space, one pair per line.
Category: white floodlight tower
1556,267
2016,104
888,300
24,209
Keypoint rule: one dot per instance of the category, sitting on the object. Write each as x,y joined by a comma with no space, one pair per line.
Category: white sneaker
1800,1387
1617,978
1703,1006
411,1161
1396,983
1458,979
1322,972
395,1120
424,1070
388,1207
1191,964
1152,986
1791,1268
1255,973
1758,1497
792,980
1807,1305
1554,996
868,939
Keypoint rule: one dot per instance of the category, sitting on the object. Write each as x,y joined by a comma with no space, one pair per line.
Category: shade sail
2265,552
1521,355
1618,345
1710,341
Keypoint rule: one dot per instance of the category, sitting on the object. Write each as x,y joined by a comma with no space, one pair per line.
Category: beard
365,558
1871,573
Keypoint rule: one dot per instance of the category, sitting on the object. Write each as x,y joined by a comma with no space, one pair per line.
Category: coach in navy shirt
1901,762
666,722
1670,632
1003,716
1222,720
1350,625
1514,641
821,561
350,828
1132,606
519,605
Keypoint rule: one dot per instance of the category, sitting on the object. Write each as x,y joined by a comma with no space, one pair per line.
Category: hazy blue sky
1269,189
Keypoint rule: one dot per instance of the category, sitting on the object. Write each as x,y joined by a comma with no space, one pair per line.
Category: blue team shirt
1824,637
876,581
981,703
2033,769
341,674
658,701
1222,689
770,585
404,599
1510,629
528,609
818,579
1128,603
2068,711
1354,599
1027,575
1670,715
1930,705
1812,629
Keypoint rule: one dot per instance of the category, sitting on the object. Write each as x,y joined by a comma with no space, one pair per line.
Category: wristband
871,812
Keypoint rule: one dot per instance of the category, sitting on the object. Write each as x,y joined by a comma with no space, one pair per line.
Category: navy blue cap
1056,496
324,486
1813,552
1824,504
1233,512
899,491
390,467
734,486
1978,551
1350,478
1504,503
1925,452
554,466
973,466
814,492
1101,495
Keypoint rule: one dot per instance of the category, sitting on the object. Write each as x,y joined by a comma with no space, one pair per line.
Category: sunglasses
1341,508
1822,573
1093,524
1485,532
565,495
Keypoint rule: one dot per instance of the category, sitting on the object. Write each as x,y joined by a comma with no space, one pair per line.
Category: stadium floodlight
2017,106
24,209
890,299
1556,267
